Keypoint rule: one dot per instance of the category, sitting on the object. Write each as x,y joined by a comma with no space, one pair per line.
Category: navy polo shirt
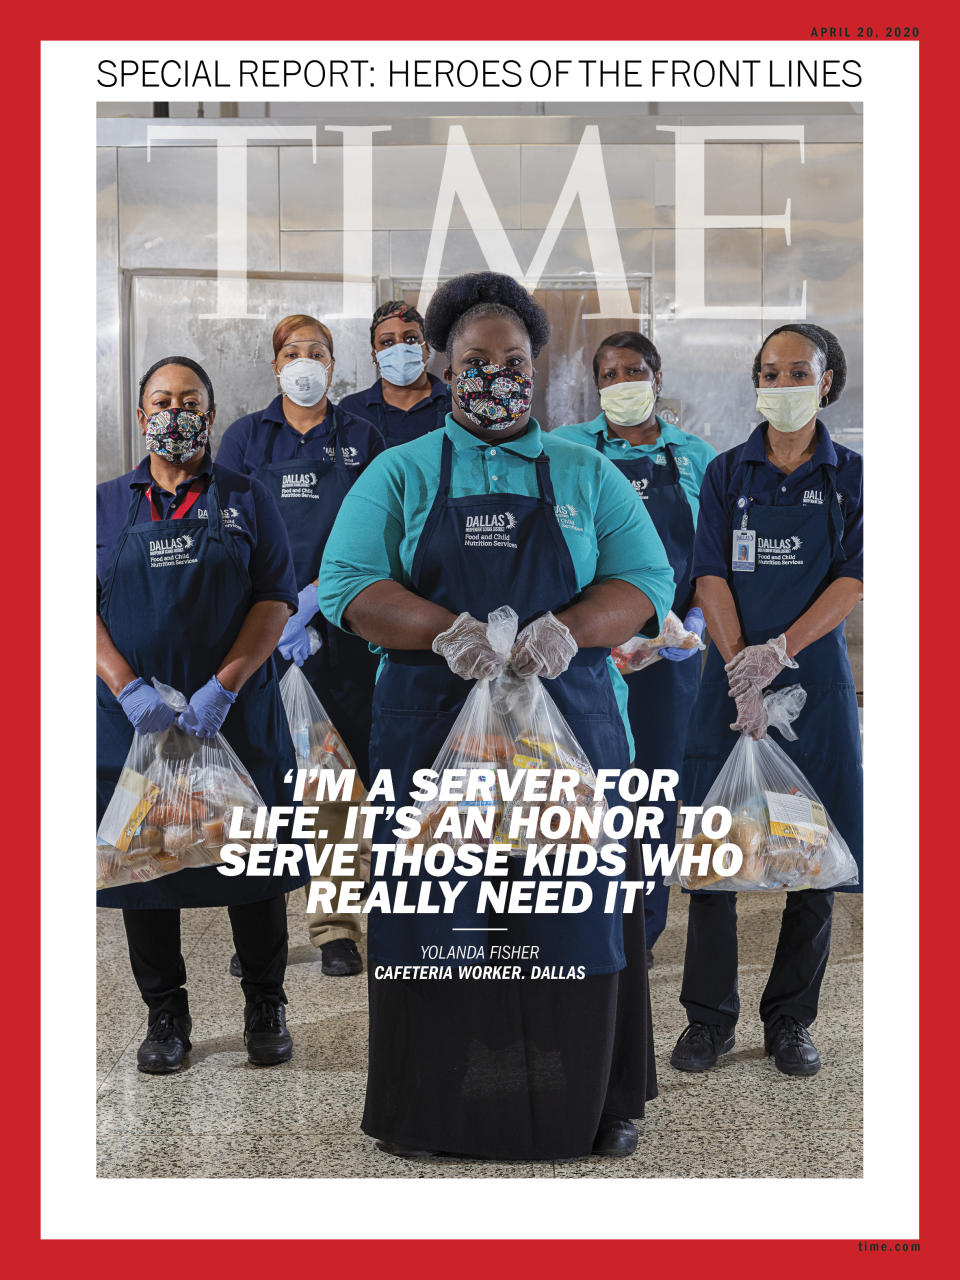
767,485
248,512
401,425
266,436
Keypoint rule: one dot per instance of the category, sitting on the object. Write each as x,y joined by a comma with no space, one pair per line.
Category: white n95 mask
788,408
304,381
627,404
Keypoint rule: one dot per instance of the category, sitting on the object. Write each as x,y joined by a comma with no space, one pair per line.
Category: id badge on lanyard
744,555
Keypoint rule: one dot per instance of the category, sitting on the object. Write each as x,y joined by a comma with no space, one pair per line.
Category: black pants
259,935
709,990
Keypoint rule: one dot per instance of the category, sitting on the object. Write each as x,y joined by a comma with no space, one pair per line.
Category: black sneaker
235,970
700,1046
340,958
615,1138
649,959
789,1043
168,1039
265,1033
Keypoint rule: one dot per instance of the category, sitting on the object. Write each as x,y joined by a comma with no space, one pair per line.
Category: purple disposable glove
207,710
144,708
294,643
692,622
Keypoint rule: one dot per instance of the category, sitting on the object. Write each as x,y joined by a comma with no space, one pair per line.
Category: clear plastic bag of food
785,835
173,804
508,724
315,740
640,651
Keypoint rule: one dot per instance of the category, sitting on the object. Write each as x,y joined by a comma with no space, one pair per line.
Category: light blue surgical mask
402,363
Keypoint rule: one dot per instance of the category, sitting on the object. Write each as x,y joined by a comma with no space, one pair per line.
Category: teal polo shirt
691,453
608,533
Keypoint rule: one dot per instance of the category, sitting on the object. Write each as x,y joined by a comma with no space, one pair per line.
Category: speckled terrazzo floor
222,1118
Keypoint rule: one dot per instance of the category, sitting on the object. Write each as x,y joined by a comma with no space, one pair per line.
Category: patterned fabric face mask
493,396
177,434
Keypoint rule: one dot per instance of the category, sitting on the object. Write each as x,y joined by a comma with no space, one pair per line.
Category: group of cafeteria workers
336,535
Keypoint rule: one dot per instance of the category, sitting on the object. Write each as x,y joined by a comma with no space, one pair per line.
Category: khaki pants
327,926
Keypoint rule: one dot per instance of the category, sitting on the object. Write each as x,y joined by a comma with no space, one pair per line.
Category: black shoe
235,970
793,1051
265,1033
700,1046
168,1039
615,1138
340,958
649,959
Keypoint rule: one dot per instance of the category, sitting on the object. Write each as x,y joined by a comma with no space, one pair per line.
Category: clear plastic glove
206,711
544,647
144,708
294,643
758,665
465,648
751,713
692,622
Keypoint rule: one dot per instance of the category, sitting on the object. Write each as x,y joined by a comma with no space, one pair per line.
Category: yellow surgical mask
627,404
788,408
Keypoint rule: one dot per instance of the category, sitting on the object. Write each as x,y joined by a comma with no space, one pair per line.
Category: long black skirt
508,1069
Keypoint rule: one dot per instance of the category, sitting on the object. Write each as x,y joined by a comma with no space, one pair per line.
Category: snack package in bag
173,804
783,831
639,651
315,741
507,724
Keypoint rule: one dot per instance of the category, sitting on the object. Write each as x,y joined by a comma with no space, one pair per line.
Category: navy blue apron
403,437
418,698
661,697
309,493
795,549
173,600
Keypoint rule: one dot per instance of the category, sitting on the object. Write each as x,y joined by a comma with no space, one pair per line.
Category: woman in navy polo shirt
493,511
778,561
208,627
308,452
405,401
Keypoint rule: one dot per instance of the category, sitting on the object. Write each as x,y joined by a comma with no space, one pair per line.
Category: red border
537,20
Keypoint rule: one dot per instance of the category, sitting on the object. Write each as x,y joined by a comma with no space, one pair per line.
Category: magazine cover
493,747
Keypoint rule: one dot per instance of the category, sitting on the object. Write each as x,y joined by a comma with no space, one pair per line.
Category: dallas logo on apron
490,530
170,551
299,484
779,551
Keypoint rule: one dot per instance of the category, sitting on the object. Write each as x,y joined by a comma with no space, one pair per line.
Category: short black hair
189,364
483,293
394,307
828,346
633,342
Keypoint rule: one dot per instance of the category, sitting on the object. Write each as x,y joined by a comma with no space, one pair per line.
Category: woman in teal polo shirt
665,466
487,512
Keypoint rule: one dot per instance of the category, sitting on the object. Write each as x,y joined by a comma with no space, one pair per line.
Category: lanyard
196,488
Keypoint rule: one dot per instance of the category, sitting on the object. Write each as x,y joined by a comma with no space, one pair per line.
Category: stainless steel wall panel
110,432
629,175
168,208
311,194
321,252
407,182
570,255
